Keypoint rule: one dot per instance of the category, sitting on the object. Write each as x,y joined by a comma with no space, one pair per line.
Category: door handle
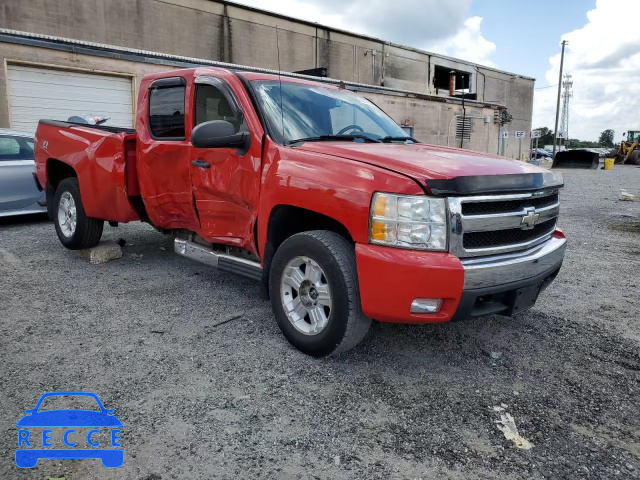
200,163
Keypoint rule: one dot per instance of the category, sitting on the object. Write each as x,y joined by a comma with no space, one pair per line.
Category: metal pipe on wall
452,83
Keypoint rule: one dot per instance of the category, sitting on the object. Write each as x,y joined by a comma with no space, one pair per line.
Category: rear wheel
75,230
313,285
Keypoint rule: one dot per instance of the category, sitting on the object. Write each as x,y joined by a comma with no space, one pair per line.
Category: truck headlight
408,221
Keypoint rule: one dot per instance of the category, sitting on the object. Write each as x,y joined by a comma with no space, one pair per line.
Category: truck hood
444,169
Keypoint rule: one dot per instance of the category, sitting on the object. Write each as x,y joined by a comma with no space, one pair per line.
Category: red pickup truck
316,193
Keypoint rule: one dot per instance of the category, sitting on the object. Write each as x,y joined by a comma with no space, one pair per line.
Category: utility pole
555,131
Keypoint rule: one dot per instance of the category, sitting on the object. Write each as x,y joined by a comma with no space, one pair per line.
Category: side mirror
219,134
109,411
29,411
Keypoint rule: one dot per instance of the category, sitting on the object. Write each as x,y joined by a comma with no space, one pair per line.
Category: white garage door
36,93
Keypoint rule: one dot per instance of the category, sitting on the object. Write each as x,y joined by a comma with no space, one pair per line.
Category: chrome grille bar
504,227
504,221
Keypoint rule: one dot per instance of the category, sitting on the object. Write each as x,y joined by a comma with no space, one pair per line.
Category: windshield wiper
323,138
389,139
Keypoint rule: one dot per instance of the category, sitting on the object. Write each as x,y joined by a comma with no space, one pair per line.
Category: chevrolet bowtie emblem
529,219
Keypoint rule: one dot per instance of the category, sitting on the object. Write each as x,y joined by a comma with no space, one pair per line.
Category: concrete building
66,57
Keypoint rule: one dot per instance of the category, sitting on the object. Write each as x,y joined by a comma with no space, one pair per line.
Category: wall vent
464,127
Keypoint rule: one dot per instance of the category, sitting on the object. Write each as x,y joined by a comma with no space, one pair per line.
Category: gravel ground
201,400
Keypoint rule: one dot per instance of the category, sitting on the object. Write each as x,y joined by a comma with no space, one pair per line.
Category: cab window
166,113
16,148
211,104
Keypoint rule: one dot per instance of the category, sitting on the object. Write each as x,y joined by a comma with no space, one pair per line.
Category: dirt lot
236,401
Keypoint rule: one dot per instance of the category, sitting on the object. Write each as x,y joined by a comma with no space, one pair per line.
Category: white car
20,193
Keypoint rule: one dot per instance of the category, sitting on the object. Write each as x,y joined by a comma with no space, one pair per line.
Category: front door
225,181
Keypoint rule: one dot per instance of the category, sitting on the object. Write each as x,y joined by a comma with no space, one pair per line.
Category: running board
219,260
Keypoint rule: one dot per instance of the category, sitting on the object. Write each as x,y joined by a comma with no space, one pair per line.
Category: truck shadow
21,220
530,341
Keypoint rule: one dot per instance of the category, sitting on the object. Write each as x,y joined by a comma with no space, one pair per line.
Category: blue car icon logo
80,427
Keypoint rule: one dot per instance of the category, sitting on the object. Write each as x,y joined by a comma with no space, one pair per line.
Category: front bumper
390,279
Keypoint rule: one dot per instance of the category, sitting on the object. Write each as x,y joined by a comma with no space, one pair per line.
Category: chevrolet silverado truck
315,193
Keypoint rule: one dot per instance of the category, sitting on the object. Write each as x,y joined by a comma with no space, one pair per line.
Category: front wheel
634,158
313,284
75,230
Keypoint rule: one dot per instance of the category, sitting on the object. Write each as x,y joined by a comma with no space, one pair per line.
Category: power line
547,86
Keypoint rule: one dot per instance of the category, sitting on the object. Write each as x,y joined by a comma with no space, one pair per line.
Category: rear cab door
164,152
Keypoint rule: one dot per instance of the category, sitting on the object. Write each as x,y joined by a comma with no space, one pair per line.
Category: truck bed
106,128
103,159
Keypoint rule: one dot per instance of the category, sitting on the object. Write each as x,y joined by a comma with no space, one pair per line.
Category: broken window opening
441,81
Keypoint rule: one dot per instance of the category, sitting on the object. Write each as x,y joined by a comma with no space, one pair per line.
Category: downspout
383,64
464,114
484,82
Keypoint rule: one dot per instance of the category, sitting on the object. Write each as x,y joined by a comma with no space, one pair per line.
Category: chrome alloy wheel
67,215
305,295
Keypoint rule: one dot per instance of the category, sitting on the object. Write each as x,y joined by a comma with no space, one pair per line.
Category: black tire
87,231
347,325
634,158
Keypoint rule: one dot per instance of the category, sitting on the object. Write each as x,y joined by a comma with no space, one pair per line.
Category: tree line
605,139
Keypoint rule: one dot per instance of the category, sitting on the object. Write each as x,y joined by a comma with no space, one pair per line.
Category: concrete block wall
223,31
432,121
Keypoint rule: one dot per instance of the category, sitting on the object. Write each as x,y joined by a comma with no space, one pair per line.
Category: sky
522,37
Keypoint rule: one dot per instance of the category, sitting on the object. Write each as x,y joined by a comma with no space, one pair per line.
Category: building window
166,112
441,80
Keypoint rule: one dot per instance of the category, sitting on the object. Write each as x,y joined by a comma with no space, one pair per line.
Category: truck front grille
491,224
503,206
511,236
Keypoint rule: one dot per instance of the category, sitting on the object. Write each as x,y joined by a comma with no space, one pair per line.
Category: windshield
313,112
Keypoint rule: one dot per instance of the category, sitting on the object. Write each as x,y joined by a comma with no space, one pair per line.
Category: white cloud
468,44
604,61
433,25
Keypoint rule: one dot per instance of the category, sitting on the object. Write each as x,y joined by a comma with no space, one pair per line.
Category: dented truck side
353,223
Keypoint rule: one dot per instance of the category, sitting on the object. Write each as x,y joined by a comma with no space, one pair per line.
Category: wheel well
287,220
58,171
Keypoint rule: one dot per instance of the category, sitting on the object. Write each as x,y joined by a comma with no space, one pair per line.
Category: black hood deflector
491,184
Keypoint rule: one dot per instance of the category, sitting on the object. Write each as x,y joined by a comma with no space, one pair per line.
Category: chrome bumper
498,270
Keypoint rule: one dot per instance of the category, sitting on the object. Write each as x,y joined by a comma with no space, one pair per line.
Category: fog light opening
426,305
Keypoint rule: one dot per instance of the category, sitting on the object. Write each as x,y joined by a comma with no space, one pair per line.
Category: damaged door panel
225,181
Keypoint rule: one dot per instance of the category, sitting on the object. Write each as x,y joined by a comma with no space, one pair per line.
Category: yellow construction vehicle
629,150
